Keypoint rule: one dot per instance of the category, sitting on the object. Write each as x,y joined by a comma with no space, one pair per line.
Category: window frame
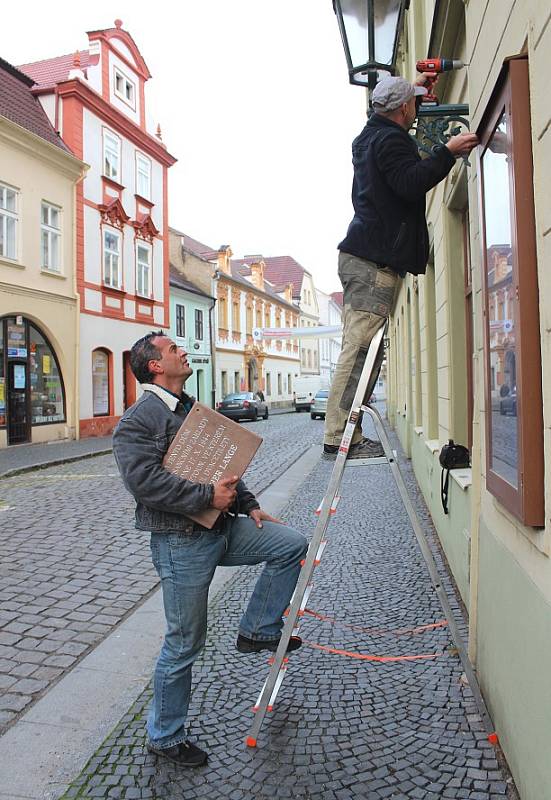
6,214
117,72
107,135
51,232
149,250
511,97
108,230
145,160
180,320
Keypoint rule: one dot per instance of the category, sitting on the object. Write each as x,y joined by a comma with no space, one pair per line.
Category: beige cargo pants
369,295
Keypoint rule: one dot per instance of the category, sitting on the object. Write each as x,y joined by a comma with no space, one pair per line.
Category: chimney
288,292
224,254
257,271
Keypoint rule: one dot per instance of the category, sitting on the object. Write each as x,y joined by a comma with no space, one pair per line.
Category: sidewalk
342,727
25,457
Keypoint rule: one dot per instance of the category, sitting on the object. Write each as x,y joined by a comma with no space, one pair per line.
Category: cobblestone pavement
73,566
341,728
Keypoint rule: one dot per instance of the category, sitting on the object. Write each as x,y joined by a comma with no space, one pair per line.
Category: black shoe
184,754
246,645
330,452
367,448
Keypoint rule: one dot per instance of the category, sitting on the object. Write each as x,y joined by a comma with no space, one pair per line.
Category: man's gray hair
143,351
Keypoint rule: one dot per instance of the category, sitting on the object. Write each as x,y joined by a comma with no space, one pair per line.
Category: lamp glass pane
354,15
387,14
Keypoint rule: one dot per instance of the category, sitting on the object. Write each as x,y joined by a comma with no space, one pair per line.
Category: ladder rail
267,695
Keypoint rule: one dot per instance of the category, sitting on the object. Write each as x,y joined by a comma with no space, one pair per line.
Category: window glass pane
46,386
17,340
502,305
111,242
100,383
45,248
11,228
44,214
54,255
9,199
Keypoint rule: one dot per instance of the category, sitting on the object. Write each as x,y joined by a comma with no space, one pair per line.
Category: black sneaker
246,645
185,754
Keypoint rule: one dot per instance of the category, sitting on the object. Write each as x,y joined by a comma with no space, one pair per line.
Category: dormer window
125,89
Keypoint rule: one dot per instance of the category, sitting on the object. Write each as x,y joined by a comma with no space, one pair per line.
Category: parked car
319,406
306,387
243,405
508,404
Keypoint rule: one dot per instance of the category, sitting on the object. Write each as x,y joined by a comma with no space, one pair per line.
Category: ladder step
319,554
276,689
333,506
368,462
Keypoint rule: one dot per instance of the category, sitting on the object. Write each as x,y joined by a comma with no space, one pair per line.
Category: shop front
31,385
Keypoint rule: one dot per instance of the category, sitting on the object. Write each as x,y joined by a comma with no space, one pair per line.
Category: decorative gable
114,214
145,227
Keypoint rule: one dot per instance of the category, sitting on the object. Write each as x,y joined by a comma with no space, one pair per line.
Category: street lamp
369,31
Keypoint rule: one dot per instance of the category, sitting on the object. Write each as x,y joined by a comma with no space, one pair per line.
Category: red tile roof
338,298
18,104
198,248
47,73
280,270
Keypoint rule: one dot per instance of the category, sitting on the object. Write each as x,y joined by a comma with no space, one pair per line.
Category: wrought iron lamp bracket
435,125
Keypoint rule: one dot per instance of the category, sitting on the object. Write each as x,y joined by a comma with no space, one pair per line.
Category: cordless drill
433,67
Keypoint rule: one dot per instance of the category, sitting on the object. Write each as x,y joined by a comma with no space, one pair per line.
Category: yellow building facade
38,301
469,356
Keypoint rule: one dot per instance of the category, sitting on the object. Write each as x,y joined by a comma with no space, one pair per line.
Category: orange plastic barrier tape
366,657
378,631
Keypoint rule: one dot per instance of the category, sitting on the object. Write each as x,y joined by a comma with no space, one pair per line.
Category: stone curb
53,463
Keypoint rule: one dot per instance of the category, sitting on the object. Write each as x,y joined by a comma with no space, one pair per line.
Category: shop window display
45,382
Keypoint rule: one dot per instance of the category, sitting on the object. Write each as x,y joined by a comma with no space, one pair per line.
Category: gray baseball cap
390,93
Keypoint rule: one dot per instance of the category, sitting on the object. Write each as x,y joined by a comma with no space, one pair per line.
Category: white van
305,390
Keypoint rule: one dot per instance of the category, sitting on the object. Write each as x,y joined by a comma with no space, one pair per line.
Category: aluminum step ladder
279,661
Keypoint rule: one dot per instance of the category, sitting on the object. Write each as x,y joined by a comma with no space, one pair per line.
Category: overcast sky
253,99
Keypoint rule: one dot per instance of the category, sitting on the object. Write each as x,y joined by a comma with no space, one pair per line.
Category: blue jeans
186,564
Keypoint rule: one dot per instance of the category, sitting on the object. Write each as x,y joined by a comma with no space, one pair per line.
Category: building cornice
38,294
250,287
93,101
32,144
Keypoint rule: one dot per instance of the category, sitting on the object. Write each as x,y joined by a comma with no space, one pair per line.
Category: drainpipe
476,498
215,277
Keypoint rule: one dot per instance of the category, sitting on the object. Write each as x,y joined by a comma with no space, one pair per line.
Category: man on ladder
386,239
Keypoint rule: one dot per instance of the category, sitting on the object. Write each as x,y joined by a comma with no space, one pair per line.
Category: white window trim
147,247
52,232
118,234
144,159
117,71
4,215
106,135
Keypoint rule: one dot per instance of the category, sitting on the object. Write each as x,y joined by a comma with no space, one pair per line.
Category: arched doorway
31,384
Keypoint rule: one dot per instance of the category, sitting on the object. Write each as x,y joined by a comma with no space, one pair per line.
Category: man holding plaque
186,554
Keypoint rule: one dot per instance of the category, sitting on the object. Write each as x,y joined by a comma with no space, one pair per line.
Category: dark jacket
140,442
388,194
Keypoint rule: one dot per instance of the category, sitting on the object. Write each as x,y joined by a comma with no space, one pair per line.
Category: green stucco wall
513,657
